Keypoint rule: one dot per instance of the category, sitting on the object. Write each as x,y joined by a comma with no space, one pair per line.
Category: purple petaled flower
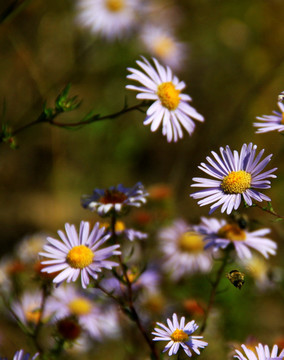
170,108
271,122
219,234
78,255
238,176
20,355
115,199
179,334
261,352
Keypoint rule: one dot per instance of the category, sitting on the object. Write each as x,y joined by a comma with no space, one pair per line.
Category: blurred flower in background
261,352
271,122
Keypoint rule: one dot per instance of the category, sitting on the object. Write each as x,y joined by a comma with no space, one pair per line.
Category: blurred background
232,61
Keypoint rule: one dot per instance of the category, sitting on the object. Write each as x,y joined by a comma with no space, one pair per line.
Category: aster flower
96,320
129,234
110,18
170,107
271,122
184,250
261,352
78,255
238,175
163,45
28,308
20,355
115,199
178,334
219,234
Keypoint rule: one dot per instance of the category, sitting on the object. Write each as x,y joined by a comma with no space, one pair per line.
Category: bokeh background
234,70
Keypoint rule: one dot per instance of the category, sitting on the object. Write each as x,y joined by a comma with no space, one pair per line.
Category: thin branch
269,210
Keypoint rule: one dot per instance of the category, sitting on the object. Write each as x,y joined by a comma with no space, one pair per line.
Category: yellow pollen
80,306
80,257
236,182
232,232
282,121
163,46
179,336
119,226
190,242
115,5
33,315
168,95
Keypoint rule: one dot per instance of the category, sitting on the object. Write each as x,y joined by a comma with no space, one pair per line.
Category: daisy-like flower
110,18
129,234
184,250
163,45
238,176
115,199
261,352
78,255
178,334
219,234
170,105
20,355
271,122
98,321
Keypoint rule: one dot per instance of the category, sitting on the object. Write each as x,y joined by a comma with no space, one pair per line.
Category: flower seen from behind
218,234
109,18
170,108
116,199
179,334
261,352
238,177
79,254
183,250
271,122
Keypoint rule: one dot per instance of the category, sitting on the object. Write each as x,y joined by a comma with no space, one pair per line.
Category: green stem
214,290
269,210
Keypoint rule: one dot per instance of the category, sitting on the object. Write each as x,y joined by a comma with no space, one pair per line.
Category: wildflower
179,334
184,250
170,105
129,234
116,199
20,355
163,45
219,234
110,18
93,318
261,352
28,308
29,247
238,175
74,256
271,122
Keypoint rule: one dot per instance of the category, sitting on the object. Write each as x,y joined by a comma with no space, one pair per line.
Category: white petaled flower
110,18
219,234
163,45
184,250
178,334
271,122
261,352
96,320
20,355
129,234
78,255
28,308
238,176
170,107
115,199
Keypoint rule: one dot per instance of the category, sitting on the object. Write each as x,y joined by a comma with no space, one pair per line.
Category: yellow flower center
119,226
115,5
33,315
236,182
163,46
80,257
80,306
232,232
190,242
282,121
179,336
168,95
